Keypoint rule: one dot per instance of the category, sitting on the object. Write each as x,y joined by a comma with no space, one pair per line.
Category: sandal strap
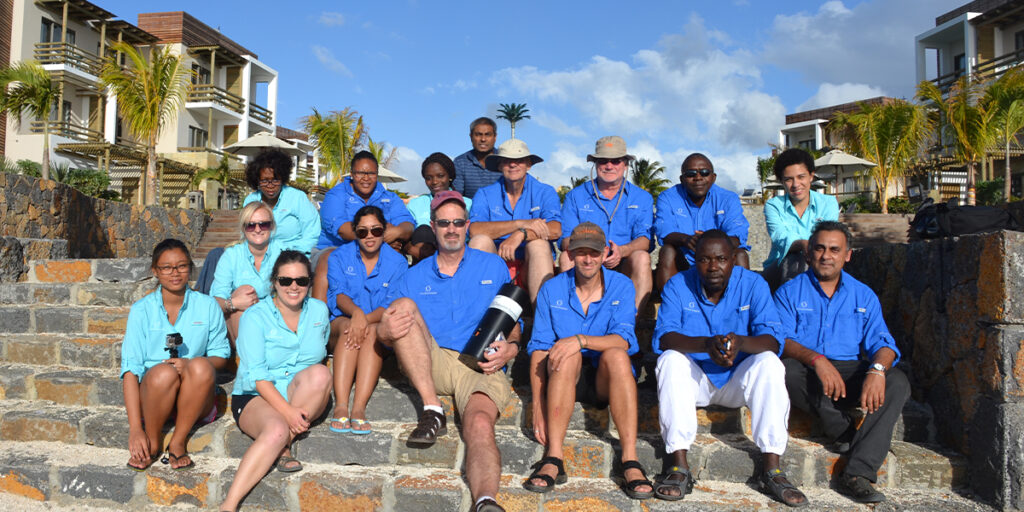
634,464
554,461
543,478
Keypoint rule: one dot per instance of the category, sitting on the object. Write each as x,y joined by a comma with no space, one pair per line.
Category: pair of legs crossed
637,266
538,263
354,363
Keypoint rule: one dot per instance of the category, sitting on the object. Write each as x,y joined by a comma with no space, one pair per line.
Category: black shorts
586,386
238,403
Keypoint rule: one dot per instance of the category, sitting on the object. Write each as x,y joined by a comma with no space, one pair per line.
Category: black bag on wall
950,219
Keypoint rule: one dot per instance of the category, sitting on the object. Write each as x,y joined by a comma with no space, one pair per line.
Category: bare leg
159,392
232,323
616,385
413,352
638,267
666,266
539,266
320,275
565,262
195,397
270,432
344,368
483,460
561,395
742,258
371,358
483,243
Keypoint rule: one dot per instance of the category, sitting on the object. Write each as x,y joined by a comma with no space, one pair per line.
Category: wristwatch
523,231
878,367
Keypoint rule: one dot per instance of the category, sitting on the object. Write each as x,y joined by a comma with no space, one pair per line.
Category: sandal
488,505
561,478
152,459
283,464
633,484
170,458
778,490
358,422
344,421
684,484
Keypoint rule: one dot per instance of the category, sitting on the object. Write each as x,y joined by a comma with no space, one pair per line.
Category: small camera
174,341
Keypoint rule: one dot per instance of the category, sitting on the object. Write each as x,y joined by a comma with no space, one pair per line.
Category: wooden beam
209,111
64,24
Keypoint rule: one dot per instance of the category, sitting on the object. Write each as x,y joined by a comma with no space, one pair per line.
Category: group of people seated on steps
303,284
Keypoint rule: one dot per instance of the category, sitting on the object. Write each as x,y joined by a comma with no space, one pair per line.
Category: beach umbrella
263,141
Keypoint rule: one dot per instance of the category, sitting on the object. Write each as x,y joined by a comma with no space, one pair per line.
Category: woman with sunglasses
438,173
174,342
281,386
241,278
359,276
298,222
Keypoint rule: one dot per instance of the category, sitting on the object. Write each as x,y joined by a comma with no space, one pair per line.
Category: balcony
944,82
204,157
207,93
68,55
261,114
69,130
995,67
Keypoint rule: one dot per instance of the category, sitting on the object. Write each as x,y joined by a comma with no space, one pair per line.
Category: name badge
862,310
720,212
535,208
615,303
385,285
486,281
744,308
633,206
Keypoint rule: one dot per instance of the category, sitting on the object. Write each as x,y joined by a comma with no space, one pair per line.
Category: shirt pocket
197,336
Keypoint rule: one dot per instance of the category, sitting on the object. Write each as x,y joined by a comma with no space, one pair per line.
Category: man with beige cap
517,217
623,210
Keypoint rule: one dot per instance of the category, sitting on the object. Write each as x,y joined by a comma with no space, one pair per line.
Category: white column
110,119
272,101
970,47
818,136
243,127
919,61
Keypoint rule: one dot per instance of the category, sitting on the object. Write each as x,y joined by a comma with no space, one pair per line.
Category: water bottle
497,323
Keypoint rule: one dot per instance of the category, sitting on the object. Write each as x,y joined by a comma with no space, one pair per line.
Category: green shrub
901,205
864,204
989,193
30,168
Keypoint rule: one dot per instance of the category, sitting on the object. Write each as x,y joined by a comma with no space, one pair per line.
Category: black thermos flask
506,308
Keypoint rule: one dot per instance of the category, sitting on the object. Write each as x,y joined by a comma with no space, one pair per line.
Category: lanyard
597,196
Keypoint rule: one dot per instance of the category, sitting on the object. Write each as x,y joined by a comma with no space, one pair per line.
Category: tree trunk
46,149
971,191
150,174
1006,175
513,129
883,195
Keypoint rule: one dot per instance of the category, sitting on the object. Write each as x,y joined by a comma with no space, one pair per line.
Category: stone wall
956,310
757,236
94,228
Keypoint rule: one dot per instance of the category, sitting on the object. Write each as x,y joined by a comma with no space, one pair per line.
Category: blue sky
670,77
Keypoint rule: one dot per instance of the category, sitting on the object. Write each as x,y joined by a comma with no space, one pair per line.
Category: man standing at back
471,173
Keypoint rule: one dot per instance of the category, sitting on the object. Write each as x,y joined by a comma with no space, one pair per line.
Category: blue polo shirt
559,313
840,327
200,322
538,201
238,267
746,308
298,223
268,350
346,275
341,204
453,305
470,176
721,210
785,226
630,221
419,207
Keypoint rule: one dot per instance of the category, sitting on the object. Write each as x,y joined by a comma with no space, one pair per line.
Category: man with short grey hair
471,173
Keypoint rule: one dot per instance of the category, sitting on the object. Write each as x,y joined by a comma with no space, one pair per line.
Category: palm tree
648,176
149,96
1005,98
513,112
971,123
221,174
335,138
386,158
26,88
890,135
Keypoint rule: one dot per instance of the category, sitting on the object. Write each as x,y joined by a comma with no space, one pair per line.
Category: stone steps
220,232
97,477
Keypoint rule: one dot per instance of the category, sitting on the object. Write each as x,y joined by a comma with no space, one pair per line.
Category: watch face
878,367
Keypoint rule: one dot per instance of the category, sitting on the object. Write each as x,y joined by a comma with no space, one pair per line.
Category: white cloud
556,125
327,58
331,19
409,162
836,94
565,162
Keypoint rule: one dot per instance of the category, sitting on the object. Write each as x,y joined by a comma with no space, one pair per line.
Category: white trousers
759,382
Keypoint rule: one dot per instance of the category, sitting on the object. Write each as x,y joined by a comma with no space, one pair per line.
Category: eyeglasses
364,232
169,269
443,223
251,226
613,161
363,174
287,281
692,173
275,181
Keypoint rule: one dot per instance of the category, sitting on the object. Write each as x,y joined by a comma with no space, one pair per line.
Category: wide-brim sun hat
610,147
512,149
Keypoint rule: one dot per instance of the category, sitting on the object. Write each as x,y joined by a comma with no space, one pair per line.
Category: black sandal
551,482
631,485
684,484
778,490
172,458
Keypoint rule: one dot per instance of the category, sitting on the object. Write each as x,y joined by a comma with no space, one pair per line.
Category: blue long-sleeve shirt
538,201
341,203
721,209
237,267
631,220
840,327
785,226
298,222
346,275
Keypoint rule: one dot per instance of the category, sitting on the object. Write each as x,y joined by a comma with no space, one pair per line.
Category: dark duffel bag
949,219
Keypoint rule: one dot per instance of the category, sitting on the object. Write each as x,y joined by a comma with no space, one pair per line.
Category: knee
163,376
276,433
769,366
404,305
666,255
671,363
479,426
640,260
200,370
616,361
321,263
896,383
319,377
481,242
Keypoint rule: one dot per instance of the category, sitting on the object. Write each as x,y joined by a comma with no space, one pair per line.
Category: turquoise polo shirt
200,322
342,202
785,226
538,201
746,308
298,223
237,267
268,350
559,313
632,218
419,207
346,275
453,305
721,209
841,327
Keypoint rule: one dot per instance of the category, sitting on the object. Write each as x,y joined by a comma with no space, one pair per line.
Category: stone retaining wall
956,310
94,228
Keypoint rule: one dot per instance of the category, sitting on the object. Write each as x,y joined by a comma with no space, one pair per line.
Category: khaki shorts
452,377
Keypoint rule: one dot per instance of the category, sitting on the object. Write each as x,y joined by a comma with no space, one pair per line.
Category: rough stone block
59,319
109,391
62,271
734,459
518,453
915,424
441,454
12,260
106,320
165,486
15,319
110,294
923,468
322,445
35,293
327,492
30,351
236,442
393,404
13,381
42,424
586,457
513,498
106,429
590,496
431,492
91,352
122,270
115,483
72,387
513,411
28,477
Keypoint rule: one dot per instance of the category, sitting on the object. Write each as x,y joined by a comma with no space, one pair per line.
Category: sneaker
488,505
859,489
431,425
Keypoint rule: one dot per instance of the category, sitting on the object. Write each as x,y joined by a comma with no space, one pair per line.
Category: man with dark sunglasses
622,210
687,210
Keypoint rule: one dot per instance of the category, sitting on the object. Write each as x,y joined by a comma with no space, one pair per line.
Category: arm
358,327
218,349
872,395
570,219
734,223
310,220
297,418
346,231
779,230
400,233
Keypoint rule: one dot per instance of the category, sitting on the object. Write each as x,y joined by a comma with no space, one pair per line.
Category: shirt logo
615,303
720,212
349,270
633,206
585,207
385,285
803,306
558,305
385,200
272,333
692,307
679,211
535,208
803,303
862,310
198,322
745,308
426,291
317,324
486,281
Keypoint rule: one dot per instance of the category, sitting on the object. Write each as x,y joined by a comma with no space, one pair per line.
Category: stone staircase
221,232
63,431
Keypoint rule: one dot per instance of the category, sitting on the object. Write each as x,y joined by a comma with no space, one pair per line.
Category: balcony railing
260,113
69,55
306,173
214,94
944,82
997,66
198,149
69,130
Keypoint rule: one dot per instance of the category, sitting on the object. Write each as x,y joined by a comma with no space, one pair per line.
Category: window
66,112
960,62
50,31
200,74
197,137
806,144
1018,40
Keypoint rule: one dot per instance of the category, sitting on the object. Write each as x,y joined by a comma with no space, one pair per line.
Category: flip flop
283,464
359,422
152,459
174,458
344,421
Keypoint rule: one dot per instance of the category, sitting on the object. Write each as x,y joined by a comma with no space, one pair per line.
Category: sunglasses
443,223
287,281
251,226
692,173
364,232
613,161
